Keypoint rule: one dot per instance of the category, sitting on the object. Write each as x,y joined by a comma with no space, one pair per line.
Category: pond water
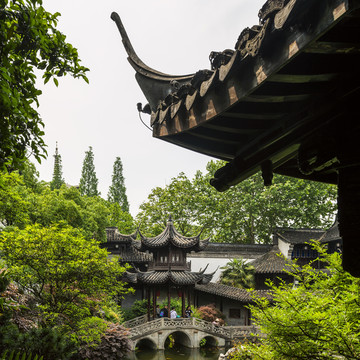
176,353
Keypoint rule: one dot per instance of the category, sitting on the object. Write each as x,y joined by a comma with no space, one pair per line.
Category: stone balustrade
140,327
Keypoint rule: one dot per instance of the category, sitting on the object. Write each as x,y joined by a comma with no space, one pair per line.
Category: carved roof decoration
260,100
230,292
272,262
170,236
283,102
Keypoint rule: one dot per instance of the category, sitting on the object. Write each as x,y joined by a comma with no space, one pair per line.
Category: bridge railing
136,322
228,332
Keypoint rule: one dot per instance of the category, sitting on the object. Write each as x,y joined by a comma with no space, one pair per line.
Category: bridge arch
146,343
181,337
210,341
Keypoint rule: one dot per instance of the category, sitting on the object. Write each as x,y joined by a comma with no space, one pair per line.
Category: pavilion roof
170,236
172,277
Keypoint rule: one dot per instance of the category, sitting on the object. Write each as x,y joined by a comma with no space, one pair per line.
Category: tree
318,319
29,40
68,276
238,273
57,179
178,199
88,182
246,213
117,190
13,204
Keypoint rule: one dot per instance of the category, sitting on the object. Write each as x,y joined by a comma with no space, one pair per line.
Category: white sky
172,36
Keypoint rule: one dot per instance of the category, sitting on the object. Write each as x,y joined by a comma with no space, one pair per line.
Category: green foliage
18,356
117,190
89,331
238,273
177,199
29,40
138,308
319,319
23,201
88,181
122,220
46,342
112,312
67,275
246,213
57,179
13,206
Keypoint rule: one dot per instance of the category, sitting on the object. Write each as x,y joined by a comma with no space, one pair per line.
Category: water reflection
176,353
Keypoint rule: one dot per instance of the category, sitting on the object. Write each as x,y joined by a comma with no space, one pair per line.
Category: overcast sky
172,36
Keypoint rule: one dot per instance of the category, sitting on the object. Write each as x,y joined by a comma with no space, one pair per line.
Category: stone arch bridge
187,332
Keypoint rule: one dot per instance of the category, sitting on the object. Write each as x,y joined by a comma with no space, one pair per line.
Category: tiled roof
170,236
299,236
272,262
332,234
133,255
230,292
113,234
260,92
172,277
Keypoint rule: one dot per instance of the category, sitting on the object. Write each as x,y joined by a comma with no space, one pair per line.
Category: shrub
46,342
209,313
114,345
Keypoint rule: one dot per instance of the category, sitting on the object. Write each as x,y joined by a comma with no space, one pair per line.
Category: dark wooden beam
332,47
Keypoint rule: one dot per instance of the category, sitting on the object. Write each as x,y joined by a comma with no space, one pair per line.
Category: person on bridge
173,313
164,312
188,312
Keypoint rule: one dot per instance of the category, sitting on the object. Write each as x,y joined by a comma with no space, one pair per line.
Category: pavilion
168,269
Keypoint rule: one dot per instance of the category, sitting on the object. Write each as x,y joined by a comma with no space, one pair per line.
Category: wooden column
169,300
154,303
148,303
183,301
189,295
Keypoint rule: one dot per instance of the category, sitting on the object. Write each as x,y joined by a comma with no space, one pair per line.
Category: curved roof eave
147,77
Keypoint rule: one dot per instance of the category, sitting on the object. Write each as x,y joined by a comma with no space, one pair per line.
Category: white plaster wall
200,263
284,247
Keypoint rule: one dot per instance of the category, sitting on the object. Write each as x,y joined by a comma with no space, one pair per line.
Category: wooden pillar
190,289
148,303
169,300
183,301
154,303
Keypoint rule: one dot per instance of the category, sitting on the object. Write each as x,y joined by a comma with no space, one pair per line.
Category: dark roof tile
230,292
273,262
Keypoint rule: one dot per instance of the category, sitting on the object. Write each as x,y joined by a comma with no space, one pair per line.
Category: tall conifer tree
57,179
117,190
88,182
